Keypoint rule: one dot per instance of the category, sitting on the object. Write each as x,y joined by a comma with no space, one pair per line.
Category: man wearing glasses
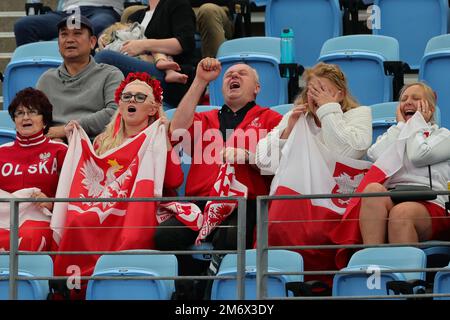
80,89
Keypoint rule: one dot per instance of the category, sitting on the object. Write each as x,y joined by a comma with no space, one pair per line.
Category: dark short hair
34,99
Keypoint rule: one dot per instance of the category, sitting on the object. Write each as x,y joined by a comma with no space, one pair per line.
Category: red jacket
206,145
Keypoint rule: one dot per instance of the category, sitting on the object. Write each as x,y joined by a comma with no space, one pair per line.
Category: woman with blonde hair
425,162
342,125
139,98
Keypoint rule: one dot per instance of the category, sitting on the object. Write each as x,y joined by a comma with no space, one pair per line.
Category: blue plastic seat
361,58
313,22
442,283
262,54
133,265
29,266
412,23
278,261
283,108
435,71
27,64
384,116
384,259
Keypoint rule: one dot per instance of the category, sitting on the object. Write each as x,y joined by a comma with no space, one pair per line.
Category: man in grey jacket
80,89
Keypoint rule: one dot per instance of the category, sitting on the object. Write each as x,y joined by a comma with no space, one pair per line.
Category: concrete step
8,19
7,42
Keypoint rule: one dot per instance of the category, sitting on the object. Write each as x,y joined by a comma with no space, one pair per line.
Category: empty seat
313,22
435,71
133,266
278,261
362,58
442,283
375,264
29,266
262,54
27,64
412,23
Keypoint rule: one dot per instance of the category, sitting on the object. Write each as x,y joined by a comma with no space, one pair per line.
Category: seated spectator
169,29
80,89
33,28
239,118
30,168
131,149
425,162
343,126
316,149
113,38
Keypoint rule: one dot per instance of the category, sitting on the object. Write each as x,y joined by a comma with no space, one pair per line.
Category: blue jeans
43,27
128,64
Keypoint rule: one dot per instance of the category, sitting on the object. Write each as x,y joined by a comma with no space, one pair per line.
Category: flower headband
144,77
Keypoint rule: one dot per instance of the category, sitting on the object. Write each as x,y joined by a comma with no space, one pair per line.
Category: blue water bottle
287,48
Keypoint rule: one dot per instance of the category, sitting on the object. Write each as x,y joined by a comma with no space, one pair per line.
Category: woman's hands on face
319,94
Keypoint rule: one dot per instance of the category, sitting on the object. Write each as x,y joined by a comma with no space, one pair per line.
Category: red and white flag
133,170
34,222
307,167
389,162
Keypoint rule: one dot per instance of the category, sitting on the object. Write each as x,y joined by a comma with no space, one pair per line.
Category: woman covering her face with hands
341,124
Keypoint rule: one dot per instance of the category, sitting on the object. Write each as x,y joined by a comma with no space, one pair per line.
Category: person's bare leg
409,222
373,215
175,77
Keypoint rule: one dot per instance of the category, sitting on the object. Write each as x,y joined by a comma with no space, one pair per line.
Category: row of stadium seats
390,265
365,59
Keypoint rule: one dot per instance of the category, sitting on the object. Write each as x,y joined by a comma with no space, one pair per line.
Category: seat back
278,261
313,22
442,283
379,259
283,108
27,64
262,54
435,71
412,23
133,265
383,116
361,58
29,266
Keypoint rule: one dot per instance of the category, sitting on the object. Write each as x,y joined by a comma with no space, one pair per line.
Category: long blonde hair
333,73
111,137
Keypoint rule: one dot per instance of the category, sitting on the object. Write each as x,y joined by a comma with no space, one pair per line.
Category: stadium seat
164,265
383,260
278,261
442,283
261,53
362,58
29,266
7,128
412,23
27,64
283,108
435,71
384,116
313,22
